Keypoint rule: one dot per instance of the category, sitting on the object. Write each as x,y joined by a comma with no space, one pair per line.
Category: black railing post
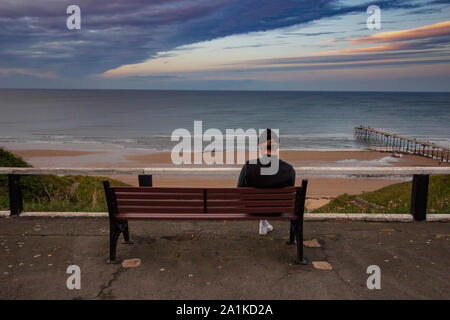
15,195
419,196
300,210
145,180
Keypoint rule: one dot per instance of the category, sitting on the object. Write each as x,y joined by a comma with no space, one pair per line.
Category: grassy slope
54,193
395,198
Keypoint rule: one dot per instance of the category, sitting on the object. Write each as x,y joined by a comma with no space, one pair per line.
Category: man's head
268,142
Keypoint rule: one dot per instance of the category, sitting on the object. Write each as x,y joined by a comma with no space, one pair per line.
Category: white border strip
438,217
370,217
65,214
59,214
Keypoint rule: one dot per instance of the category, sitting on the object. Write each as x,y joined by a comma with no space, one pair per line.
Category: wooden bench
153,203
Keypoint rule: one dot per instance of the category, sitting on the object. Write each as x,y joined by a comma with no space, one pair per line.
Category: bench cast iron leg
299,236
114,233
292,231
126,233
115,228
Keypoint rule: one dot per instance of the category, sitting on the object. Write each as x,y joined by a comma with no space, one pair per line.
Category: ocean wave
381,162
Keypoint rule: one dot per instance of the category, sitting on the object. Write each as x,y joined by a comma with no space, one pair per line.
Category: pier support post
15,195
419,196
145,180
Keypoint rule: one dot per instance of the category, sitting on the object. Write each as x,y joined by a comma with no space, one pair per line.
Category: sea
146,119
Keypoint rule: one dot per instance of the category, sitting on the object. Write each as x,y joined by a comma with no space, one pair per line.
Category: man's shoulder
257,163
252,163
285,165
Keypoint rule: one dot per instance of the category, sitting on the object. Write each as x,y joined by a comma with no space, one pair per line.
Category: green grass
54,193
395,198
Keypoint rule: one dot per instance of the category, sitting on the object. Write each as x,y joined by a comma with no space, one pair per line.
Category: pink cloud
434,30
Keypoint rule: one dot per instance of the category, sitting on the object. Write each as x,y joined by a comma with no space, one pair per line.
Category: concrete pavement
222,260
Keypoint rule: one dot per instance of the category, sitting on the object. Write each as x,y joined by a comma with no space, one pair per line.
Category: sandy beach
320,190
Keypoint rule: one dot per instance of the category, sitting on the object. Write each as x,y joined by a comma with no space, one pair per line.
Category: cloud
33,34
435,30
382,48
424,11
309,34
160,77
417,46
348,59
259,45
440,2
28,72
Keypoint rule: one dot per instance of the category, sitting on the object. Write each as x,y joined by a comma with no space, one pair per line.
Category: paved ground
222,260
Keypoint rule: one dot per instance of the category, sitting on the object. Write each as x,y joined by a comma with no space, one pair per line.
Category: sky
226,45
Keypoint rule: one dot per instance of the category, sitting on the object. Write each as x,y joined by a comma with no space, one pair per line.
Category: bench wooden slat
250,190
160,203
162,196
168,210
167,196
228,210
279,196
223,210
200,203
250,203
210,190
158,190
235,216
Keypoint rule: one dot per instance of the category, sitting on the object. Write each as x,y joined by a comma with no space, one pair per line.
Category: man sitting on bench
251,173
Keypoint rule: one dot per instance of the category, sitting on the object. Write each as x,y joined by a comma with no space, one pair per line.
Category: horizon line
221,90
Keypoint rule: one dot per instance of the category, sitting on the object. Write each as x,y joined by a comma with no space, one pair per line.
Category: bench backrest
141,201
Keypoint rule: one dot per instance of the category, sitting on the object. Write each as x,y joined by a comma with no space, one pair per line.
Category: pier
392,142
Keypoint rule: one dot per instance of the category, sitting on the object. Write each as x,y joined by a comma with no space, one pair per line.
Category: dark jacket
251,176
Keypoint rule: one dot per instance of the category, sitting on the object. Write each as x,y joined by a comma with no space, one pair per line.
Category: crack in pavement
108,295
327,257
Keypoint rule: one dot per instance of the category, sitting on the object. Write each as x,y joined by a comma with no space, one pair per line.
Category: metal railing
419,192
301,171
